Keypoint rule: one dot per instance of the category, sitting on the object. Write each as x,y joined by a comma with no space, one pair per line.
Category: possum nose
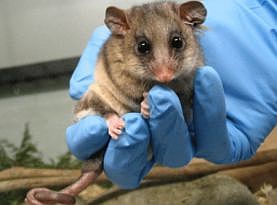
164,74
165,77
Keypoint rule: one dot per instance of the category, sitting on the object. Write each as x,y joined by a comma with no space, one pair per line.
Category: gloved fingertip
100,35
136,126
76,90
211,135
161,100
208,92
126,158
206,77
207,74
87,136
169,132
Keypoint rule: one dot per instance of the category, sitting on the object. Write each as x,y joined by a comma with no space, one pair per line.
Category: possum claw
115,125
144,106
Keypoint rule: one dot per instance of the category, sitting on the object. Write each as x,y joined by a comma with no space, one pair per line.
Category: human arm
241,47
235,100
232,115
89,134
82,76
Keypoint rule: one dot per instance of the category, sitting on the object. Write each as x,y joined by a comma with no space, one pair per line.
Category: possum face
159,40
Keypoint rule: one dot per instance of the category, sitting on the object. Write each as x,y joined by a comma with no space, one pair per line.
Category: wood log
42,181
198,169
255,176
256,170
21,172
11,185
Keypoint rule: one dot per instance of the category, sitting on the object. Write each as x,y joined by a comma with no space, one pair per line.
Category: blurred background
40,44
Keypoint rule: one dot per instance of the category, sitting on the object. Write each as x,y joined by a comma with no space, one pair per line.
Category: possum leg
115,125
144,106
90,171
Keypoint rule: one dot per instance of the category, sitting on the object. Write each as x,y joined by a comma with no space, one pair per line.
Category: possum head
158,39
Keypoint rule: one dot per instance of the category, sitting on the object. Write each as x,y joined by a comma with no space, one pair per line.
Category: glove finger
170,137
125,160
83,74
211,136
87,136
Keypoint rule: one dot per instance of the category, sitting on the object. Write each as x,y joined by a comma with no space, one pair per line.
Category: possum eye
143,46
177,42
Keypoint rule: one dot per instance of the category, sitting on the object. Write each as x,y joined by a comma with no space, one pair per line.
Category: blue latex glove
83,74
125,161
87,136
223,133
240,45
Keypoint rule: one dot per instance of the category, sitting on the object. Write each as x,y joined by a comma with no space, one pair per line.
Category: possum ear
193,12
116,21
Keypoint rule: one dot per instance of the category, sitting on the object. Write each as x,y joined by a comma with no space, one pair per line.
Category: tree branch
254,172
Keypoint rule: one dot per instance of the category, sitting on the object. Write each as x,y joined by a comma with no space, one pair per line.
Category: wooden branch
252,176
31,178
198,169
257,170
255,176
21,172
10,185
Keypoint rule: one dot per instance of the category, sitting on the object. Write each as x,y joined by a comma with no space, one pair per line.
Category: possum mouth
164,74
165,78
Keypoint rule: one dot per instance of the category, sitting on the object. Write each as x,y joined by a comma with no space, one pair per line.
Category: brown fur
121,75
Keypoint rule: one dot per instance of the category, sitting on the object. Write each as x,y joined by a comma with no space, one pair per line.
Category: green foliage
12,198
27,155
67,161
5,159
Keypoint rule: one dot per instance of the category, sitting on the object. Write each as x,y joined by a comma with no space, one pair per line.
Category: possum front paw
144,106
115,125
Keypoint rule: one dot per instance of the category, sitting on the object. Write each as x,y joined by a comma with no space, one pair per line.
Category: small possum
151,44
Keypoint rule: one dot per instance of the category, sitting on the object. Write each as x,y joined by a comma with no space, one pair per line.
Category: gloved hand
126,161
240,44
229,124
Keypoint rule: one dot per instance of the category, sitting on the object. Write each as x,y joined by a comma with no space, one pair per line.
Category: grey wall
48,115
41,30
34,31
